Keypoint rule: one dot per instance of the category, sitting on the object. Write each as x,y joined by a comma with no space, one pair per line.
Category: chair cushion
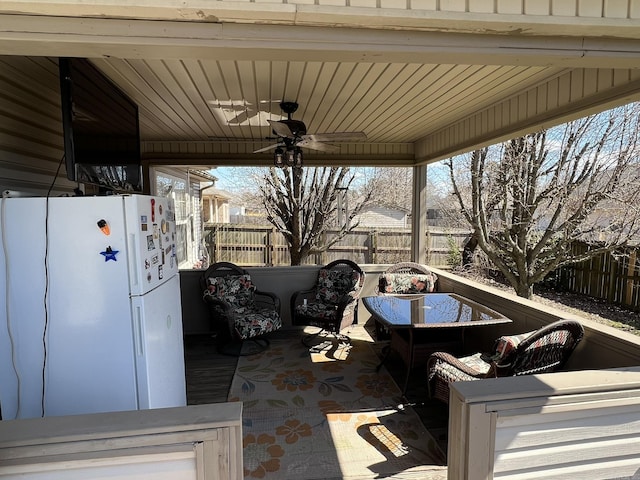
237,290
334,284
253,323
449,373
407,283
506,344
476,362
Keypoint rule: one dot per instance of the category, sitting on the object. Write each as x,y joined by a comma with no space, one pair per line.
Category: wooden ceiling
206,90
390,102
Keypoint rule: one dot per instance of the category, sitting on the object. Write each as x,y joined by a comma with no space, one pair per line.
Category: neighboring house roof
217,193
388,206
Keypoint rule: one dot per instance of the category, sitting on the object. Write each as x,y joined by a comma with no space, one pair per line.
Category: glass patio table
444,317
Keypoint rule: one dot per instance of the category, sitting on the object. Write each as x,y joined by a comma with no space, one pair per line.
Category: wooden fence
252,245
614,278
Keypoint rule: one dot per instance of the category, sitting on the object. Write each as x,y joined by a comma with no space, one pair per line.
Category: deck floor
209,374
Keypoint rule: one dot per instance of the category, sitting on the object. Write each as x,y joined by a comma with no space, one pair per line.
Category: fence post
323,254
269,247
613,274
212,243
628,298
371,250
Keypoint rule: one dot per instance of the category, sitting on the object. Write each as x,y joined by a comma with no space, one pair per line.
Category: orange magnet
104,227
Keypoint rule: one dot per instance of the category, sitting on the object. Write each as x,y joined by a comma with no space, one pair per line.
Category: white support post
419,215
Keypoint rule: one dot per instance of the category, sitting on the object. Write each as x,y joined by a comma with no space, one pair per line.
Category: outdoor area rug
325,413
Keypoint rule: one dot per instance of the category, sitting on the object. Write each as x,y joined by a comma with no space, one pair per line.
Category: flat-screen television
101,129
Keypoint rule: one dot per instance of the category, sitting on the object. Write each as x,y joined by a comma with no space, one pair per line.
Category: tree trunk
469,249
524,290
296,257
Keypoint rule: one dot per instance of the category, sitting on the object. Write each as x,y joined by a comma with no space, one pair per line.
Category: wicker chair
406,278
239,311
541,351
332,303
401,279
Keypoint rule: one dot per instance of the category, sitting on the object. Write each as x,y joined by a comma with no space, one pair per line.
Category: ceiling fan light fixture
297,161
291,157
278,157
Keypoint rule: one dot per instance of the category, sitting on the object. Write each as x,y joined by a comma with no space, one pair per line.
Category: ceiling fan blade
265,149
281,129
336,137
313,145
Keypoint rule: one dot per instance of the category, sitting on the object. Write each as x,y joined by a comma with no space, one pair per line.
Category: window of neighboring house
185,194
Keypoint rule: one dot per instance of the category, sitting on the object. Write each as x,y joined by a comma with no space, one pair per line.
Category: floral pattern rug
325,413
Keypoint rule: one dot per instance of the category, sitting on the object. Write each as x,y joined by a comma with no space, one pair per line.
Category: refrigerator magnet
110,254
104,227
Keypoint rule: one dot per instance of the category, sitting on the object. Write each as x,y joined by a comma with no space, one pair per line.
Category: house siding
383,217
31,141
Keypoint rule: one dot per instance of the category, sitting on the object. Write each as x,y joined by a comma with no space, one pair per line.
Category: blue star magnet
110,254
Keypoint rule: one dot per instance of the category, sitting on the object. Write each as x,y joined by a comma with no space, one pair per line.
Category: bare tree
392,186
531,197
302,203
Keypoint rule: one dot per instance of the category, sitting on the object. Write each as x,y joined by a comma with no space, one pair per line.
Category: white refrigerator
91,319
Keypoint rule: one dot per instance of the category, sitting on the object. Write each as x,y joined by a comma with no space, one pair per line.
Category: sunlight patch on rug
326,414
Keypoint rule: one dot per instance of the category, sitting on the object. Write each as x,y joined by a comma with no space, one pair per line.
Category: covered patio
599,382
424,80
578,413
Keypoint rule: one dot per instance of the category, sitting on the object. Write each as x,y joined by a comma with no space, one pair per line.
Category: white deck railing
582,425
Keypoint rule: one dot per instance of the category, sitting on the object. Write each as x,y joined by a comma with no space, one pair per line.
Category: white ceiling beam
240,153
514,17
92,37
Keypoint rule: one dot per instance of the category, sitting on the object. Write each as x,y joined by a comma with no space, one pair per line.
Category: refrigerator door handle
133,259
137,332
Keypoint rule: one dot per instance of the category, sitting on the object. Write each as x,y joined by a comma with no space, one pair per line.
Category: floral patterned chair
332,303
541,351
404,278
239,311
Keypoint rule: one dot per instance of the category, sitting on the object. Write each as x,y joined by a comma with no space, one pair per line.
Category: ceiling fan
292,136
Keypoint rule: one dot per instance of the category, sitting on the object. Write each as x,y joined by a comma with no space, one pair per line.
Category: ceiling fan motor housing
296,127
